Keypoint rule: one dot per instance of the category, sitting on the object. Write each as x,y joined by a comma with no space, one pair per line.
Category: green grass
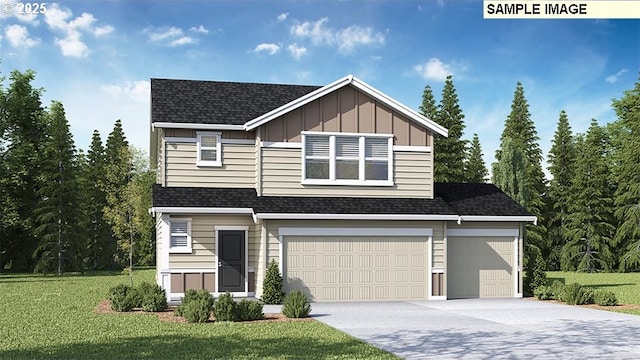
54,318
626,286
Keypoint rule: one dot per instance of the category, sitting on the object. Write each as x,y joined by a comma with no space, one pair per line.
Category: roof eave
197,126
523,218
300,216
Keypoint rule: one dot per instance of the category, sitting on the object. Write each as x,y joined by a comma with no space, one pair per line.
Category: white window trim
361,160
218,148
181,249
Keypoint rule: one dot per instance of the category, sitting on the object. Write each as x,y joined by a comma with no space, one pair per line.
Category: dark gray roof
218,102
451,199
479,199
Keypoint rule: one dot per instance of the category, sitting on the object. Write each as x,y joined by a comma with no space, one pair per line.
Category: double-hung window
347,159
209,149
180,236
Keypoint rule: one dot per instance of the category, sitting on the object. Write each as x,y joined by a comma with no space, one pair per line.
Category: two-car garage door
357,268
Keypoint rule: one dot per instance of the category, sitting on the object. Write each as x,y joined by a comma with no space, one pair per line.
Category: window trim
181,249
362,159
218,148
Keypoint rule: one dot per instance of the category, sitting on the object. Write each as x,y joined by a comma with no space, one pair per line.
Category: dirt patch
169,316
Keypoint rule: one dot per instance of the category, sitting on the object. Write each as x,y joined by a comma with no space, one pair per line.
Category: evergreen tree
509,172
98,232
428,107
23,133
58,214
272,285
562,157
117,174
589,223
475,170
449,152
627,195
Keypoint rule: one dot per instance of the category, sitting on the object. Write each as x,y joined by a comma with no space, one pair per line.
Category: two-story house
334,183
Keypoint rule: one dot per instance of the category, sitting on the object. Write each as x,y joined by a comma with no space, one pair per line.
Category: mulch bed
168,315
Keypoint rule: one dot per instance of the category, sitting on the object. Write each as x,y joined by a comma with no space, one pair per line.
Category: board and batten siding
203,241
281,174
237,170
346,110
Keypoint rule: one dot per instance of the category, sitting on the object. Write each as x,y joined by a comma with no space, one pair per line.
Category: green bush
272,285
225,309
557,289
605,298
586,296
124,298
154,299
543,293
196,311
536,272
296,305
575,294
192,295
248,310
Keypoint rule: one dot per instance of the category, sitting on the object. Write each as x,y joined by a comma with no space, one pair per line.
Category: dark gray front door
231,260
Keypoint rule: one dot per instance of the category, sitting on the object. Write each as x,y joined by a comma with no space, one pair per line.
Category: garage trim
515,233
352,231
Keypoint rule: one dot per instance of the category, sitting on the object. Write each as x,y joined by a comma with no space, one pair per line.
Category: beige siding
483,225
346,110
282,171
160,158
204,242
159,244
438,252
237,170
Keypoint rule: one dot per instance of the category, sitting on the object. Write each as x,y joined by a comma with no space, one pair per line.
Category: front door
231,268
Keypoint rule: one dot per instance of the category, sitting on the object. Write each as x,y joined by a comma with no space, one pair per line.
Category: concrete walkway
487,329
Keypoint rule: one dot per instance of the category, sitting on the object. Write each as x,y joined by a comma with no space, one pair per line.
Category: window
180,236
347,159
209,149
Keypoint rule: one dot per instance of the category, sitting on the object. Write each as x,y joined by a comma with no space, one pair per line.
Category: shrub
124,298
153,297
192,295
248,310
296,305
586,296
225,309
536,275
272,286
197,311
575,294
605,298
543,293
557,289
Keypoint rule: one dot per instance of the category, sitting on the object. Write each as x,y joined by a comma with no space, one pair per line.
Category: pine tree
627,195
428,107
475,170
272,286
509,172
562,157
98,240
58,214
589,223
449,152
23,133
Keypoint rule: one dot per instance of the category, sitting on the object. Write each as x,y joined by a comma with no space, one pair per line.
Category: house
335,183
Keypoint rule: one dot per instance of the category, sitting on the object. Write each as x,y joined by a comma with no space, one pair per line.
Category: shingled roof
218,102
451,199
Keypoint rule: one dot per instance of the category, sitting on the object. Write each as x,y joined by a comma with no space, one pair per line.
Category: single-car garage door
480,267
357,268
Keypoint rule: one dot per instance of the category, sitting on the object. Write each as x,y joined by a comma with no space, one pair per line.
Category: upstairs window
180,236
347,159
209,149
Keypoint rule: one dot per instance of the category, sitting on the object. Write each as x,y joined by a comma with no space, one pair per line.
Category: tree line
589,212
62,209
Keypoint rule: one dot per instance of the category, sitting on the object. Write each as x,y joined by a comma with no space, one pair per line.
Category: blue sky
97,57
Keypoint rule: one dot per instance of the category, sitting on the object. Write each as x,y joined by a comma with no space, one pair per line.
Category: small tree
272,286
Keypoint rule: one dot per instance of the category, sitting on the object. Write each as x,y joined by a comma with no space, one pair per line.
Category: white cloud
345,40
60,19
614,78
283,16
171,36
433,69
297,51
12,9
268,48
135,90
200,29
18,37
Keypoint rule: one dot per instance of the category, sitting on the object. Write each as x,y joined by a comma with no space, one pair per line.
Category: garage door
480,267
357,268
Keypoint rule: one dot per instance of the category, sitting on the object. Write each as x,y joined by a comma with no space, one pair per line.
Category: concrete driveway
487,329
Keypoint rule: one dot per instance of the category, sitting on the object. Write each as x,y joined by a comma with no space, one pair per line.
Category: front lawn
53,317
626,286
